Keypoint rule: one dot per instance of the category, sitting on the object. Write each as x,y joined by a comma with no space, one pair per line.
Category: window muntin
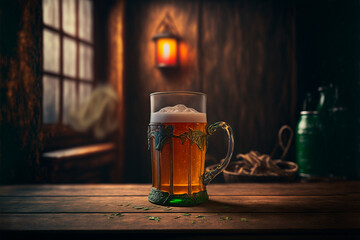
68,55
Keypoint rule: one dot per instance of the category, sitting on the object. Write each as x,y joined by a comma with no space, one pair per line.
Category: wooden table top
246,209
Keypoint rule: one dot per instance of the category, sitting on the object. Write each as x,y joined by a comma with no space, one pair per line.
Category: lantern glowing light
166,54
167,45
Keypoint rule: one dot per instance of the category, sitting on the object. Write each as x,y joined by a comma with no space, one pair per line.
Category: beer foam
177,113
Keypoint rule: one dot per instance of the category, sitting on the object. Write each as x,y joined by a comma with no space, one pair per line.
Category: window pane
51,93
69,98
68,16
51,48
51,12
69,58
86,62
85,90
85,20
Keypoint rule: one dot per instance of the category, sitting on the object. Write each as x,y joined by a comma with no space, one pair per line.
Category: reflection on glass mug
178,136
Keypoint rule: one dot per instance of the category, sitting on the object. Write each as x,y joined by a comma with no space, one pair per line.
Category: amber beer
178,167
177,137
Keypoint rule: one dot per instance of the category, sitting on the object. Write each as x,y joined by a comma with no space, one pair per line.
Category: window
68,57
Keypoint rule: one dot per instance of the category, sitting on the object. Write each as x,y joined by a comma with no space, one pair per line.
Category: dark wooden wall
240,53
115,75
254,59
248,69
20,91
142,78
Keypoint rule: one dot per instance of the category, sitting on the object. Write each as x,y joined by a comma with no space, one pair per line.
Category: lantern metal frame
167,29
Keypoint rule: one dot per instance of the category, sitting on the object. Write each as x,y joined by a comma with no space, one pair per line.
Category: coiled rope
255,164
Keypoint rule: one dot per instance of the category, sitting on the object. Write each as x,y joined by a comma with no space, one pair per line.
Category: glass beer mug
177,137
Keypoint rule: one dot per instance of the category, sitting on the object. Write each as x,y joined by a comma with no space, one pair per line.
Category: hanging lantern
166,44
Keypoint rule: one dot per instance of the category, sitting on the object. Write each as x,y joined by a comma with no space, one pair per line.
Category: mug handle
210,175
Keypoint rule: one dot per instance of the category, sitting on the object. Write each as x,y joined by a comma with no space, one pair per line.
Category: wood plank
217,204
21,91
293,222
284,189
234,189
144,78
75,190
112,52
79,151
249,70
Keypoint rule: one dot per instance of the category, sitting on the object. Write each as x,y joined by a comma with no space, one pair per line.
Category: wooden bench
84,164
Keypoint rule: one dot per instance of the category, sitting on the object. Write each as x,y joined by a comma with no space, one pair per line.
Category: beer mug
178,138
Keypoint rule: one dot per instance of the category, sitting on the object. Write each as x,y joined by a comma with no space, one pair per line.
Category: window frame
54,133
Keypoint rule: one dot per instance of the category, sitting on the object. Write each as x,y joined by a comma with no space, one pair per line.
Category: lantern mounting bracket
166,28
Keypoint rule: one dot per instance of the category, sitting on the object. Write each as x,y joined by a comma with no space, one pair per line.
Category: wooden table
249,210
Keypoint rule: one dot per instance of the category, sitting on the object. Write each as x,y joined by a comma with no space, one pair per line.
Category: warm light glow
166,52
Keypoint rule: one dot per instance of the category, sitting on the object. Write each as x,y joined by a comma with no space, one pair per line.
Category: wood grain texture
216,204
44,210
115,75
281,222
143,78
93,168
248,56
241,53
233,189
20,88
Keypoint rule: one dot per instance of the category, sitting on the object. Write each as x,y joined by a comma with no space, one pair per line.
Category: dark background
255,60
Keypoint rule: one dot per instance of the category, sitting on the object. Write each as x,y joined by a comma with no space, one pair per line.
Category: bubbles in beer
177,108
